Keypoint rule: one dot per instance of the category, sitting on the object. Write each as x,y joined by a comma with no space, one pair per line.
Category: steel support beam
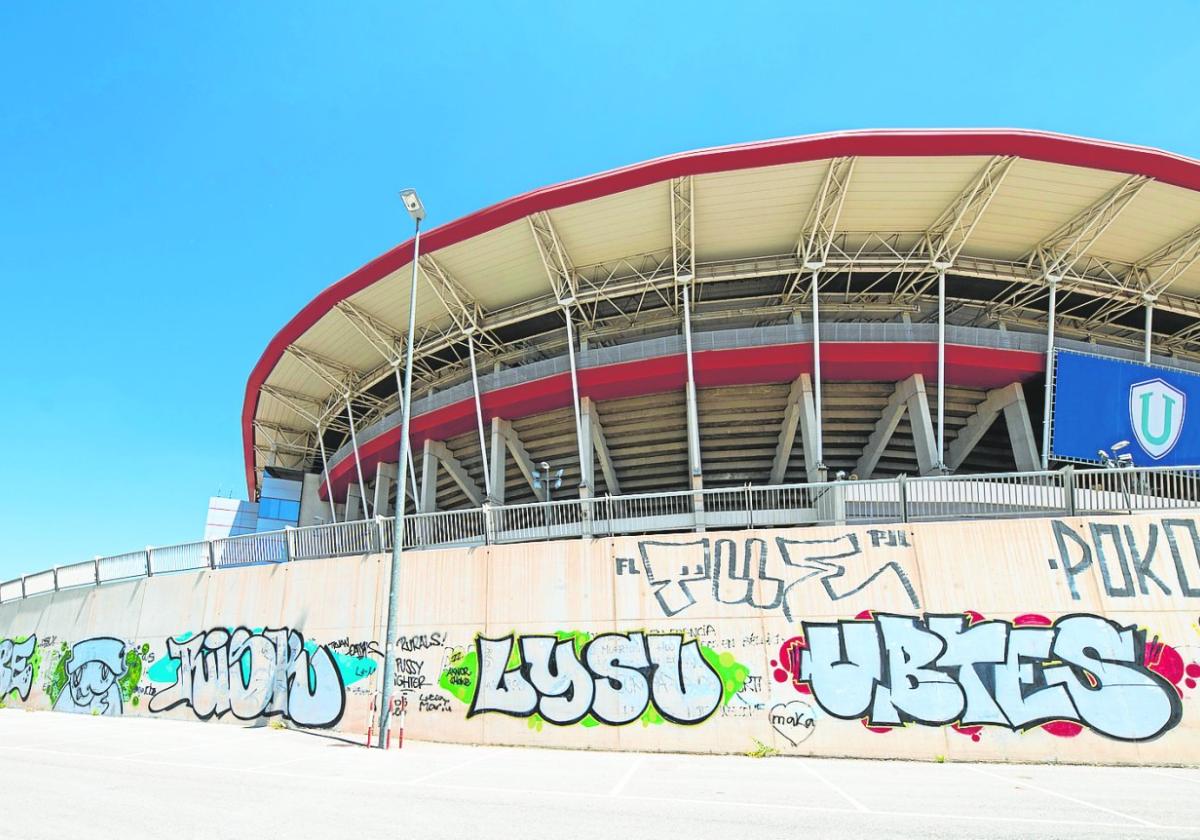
1052,281
941,372
483,452
683,262
362,487
818,439
1149,330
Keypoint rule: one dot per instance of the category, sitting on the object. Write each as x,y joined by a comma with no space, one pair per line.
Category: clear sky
178,179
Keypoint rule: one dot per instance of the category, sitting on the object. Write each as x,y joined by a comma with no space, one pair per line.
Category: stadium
651,329
872,444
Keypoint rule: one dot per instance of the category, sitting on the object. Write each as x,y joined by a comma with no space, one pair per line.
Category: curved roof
1007,207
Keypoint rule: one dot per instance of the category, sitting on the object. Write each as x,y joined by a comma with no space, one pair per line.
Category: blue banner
1098,402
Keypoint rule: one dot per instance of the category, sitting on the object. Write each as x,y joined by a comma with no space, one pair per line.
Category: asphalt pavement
70,775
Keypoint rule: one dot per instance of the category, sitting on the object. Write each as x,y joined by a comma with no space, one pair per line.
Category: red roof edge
1032,145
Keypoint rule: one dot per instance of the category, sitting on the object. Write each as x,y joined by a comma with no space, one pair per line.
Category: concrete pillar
499,461
385,478
313,509
429,469
354,506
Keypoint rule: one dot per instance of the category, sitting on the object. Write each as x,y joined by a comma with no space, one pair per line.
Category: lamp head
412,203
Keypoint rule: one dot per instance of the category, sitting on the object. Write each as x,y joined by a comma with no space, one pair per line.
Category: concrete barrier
1029,640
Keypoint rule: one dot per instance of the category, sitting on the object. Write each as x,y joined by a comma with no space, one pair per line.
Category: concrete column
312,509
385,478
353,503
429,470
499,461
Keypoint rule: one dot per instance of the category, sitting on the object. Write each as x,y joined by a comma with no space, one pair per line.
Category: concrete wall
1070,640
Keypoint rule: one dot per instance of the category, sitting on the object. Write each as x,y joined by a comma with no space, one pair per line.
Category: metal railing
1065,492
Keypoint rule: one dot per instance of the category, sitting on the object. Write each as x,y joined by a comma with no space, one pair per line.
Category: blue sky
177,180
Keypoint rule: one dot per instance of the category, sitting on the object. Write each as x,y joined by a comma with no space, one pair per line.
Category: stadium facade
863,304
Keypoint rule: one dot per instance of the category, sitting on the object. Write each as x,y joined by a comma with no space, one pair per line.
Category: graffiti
413,644
356,650
1124,562
794,720
680,571
433,703
610,678
93,669
254,674
18,666
962,670
408,675
888,538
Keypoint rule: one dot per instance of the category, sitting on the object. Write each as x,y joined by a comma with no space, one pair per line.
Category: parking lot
129,777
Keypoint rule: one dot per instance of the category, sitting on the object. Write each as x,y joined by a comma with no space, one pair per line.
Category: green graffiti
56,677
134,659
462,670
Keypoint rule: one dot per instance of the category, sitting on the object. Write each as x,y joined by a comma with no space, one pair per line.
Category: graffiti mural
679,573
1082,671
610,678
93,670
18,666
1126,560
254,674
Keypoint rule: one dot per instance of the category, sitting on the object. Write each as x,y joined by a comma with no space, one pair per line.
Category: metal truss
820,227
463,309
1157,271
554,257
946,237
683,229
284,440
1058,254
640,292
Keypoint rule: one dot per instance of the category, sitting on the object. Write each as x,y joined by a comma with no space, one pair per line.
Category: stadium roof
1005,208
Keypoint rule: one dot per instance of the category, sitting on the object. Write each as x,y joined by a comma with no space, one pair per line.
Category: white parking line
626,776
1048,792
1195,780
807,768
667,801
452,769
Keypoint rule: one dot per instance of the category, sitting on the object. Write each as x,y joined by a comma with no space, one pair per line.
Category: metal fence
1066,492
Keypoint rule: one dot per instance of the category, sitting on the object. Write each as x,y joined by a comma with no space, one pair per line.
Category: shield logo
1156,413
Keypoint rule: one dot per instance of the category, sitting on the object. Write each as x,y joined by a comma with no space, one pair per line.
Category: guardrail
1065,492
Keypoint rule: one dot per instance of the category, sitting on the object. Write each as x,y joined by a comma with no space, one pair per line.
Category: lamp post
941,267
412,203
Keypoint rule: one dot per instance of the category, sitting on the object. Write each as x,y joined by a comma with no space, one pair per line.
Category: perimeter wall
1031,640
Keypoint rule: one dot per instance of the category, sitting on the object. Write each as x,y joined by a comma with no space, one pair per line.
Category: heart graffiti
794,720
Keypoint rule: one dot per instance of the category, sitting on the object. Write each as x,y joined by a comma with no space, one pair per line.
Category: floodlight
412,203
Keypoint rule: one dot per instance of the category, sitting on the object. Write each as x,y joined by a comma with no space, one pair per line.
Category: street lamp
412,203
